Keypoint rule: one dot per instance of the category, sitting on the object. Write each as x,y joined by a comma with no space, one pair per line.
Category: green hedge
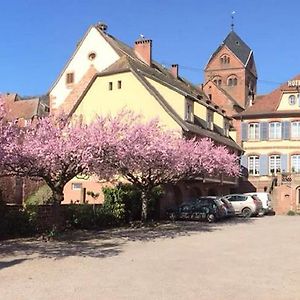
16,221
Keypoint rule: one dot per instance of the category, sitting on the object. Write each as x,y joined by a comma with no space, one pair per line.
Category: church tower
231,71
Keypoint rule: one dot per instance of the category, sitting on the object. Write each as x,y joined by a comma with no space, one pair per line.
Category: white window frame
253,131
253,165
275,130
274,163
75,186
295,128
295,163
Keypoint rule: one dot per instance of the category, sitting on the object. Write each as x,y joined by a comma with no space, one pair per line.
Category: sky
39,36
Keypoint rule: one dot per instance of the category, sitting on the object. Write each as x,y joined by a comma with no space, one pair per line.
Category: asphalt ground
258,258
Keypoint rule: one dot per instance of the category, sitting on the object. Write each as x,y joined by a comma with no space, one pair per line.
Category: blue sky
38,36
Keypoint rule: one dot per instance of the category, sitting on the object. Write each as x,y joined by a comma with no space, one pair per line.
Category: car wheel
172,217
246,212
211,218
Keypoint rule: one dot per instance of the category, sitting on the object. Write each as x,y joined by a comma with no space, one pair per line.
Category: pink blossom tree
147,155
52,149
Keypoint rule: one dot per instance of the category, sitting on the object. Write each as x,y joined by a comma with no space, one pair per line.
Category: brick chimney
143,50
174,70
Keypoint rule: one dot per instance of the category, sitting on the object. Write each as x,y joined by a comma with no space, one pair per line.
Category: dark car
210,209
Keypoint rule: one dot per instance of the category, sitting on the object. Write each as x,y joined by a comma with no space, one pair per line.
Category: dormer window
210,119
292,100
225,59
189,111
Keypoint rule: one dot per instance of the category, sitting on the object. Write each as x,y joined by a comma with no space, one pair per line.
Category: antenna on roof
232,20
142,36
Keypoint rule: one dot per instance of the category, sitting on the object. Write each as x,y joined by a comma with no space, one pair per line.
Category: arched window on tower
225,59
217,80
232,80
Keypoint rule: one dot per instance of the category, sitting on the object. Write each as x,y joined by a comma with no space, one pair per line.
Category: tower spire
232,20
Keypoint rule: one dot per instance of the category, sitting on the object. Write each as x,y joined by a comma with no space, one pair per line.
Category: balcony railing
288,178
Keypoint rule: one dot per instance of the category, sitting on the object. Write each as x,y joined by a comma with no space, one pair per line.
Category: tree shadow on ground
10,263
104,243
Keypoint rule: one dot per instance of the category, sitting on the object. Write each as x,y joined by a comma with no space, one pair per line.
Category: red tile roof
269,103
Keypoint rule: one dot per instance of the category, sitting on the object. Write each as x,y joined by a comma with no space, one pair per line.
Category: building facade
270,130
112,75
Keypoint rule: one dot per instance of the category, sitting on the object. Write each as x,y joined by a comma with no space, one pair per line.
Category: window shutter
264,131
284,163
286,130
263,165
244,161
244,131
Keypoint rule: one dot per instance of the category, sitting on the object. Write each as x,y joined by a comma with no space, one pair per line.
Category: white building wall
80,63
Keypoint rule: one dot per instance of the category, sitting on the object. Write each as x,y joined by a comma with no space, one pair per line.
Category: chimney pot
102,26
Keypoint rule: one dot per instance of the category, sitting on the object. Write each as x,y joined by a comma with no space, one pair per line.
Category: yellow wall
233,135
200,110
176,100
266,147
218,119
284,102
100,100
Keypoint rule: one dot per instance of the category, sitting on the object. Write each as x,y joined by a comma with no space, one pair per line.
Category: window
253,165
92,56
295,163
274,164
295,131
110,86
292,100
189,111
210,119
70,78
76,186
225,59
119,84
275,131
253,131
232,81
217,81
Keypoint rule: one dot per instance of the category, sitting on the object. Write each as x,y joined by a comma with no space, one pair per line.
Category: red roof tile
269,103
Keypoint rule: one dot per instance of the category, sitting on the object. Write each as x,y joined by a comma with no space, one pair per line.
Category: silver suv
245,205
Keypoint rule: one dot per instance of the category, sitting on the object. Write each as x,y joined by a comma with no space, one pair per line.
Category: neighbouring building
271,141
105,75
21,110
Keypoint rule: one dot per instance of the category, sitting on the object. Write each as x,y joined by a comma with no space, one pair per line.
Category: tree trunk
58,196
145,201
57,217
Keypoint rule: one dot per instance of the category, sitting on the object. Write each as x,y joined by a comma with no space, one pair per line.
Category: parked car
230,212
245,205
266,201
210,209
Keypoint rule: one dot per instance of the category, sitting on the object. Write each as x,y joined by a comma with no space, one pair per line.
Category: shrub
86,216
41,196
291,213
15,221
125,202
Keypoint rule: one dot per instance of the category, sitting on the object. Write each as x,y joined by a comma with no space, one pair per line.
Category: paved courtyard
238,259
